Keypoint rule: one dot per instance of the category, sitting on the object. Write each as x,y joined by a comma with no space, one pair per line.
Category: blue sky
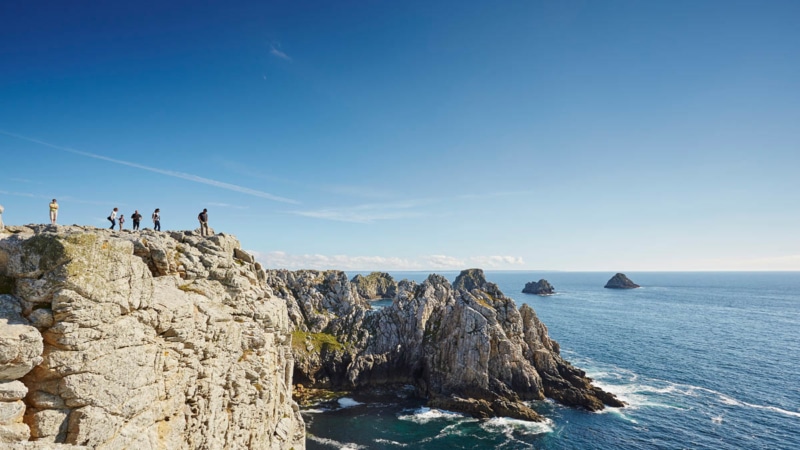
611,136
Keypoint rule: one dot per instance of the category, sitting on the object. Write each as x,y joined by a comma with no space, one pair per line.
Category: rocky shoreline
464,347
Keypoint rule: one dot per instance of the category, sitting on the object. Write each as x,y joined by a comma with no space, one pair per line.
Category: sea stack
375,286
541,287
620,281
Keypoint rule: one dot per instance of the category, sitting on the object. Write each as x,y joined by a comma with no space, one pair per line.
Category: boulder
541,287
620,281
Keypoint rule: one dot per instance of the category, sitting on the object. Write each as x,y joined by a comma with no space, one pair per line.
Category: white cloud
400,209
445,262
283,260
367,213
278,53
227,205
496,261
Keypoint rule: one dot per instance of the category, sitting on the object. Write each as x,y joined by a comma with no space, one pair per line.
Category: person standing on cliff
113,218
1,218
203,218
53,212
121,221
157,219
136,218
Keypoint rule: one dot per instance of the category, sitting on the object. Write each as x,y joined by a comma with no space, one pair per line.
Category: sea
703,361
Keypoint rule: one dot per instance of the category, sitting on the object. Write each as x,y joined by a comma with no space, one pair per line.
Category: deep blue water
704,360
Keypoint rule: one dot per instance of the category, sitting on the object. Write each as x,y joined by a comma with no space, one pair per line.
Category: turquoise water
704,360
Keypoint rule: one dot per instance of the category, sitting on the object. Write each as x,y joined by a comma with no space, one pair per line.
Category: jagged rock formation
620,281
375,286
145,340
465,346
541,287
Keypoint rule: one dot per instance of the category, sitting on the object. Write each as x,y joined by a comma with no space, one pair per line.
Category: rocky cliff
463,346
150,340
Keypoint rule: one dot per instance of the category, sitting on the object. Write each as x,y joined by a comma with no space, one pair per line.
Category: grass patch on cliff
318,341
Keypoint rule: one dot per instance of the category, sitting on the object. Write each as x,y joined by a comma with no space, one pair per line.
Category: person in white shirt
157,220
113,218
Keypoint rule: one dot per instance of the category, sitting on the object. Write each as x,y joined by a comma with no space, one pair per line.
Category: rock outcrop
464,346
375,286
150,340
541,287
620,281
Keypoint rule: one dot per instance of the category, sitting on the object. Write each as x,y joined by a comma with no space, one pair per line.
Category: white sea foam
347,402
619,412
508,426
425,415
452,429
335,444
388,442
717,419
314,410
733,402
648,392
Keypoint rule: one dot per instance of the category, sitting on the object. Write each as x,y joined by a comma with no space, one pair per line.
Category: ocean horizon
704,360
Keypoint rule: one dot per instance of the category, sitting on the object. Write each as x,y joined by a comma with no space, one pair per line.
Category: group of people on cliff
136,217
156,217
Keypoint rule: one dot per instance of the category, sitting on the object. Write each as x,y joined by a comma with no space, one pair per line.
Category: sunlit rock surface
149,340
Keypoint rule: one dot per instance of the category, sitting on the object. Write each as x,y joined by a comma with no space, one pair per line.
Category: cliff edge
145,340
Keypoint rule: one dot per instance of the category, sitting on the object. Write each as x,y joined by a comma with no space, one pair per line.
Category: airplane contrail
169,173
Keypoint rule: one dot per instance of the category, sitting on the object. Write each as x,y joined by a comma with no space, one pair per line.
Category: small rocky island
541,287
620,281
375,286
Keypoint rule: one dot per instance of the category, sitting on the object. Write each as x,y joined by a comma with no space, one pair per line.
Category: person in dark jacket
136,217
203,218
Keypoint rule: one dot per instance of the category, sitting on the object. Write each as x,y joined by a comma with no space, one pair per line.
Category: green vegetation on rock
319,341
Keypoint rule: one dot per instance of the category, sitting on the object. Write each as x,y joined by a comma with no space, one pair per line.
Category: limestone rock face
375,286
142,340
620,281
463,346
541,287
